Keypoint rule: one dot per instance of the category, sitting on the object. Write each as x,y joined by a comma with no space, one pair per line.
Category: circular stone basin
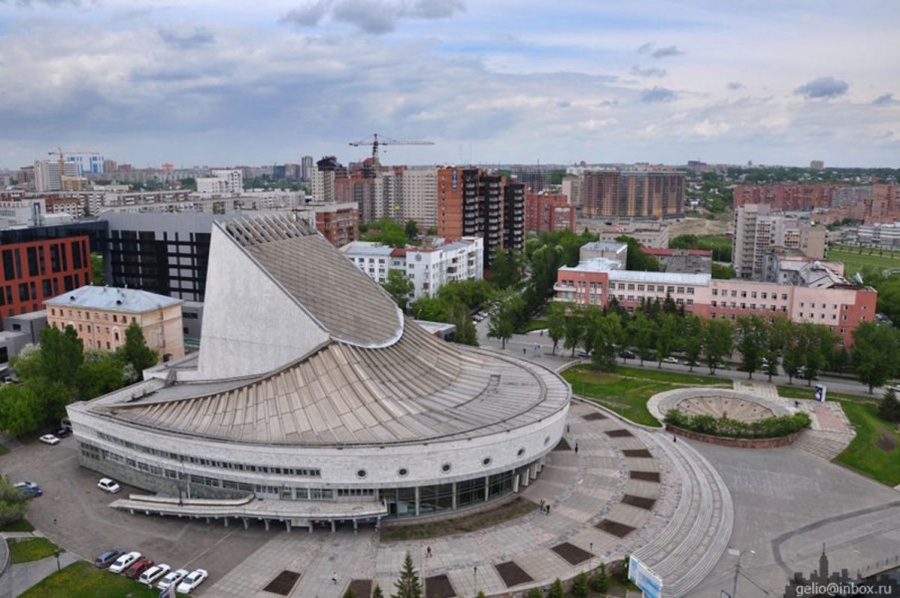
742,409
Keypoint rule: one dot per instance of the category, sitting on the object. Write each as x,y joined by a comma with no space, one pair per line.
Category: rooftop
112,299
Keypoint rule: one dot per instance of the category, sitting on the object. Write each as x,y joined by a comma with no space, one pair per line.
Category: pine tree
349,593
408,586
600,580
580,587
889,408
556,590
535,593
377,593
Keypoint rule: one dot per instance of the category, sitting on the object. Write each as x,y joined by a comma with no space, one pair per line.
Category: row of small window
87,316
762,307
678,301
762,294
659,288
447,467
295,471
81,328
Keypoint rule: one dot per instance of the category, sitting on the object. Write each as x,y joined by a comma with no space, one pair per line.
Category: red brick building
38,270
545,213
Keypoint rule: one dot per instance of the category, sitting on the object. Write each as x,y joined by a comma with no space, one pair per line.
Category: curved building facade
313,394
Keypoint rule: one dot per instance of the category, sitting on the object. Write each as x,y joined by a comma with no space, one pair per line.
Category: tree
607,337
889,408
502,323
399,286
723,272
506,268
666,336
718,341
751,334
431,309
377,593
815,345
408,586
411,229
135,350
580,588
13,503
574,330
600,580
642,332
97,278
349,593
465,327
481,595
692,341
875,353
556,589
21,410
535,593
556,322
101,372
62,354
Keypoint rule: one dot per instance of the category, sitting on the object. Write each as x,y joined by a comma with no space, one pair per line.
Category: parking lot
75,514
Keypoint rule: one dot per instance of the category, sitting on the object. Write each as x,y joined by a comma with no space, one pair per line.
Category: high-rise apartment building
222,182
307,165
633,193
545,212
757,228
474,203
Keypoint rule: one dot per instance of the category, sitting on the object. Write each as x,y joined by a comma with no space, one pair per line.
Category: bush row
771,427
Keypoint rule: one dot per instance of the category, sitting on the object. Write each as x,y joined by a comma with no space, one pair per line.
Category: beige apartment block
100,316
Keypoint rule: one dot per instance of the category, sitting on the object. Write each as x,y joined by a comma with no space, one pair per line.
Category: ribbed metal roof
346,301
418,389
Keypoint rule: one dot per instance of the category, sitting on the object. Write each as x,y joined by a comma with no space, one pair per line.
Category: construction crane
375,142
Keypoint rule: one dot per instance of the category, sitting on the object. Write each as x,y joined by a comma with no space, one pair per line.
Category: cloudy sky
227,82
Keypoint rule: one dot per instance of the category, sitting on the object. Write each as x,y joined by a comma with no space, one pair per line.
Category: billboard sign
641,576
820,393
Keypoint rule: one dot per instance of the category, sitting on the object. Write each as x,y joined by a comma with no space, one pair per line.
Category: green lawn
81,580
22,525
627,390
854,261
875,451
25,550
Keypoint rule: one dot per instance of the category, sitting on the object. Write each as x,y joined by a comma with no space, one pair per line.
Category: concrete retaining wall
753,443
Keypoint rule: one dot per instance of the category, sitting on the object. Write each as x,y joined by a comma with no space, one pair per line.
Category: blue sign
820,393
640,575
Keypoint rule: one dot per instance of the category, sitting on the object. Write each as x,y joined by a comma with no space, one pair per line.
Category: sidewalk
23,576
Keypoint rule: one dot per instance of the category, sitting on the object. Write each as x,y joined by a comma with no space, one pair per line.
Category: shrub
770,427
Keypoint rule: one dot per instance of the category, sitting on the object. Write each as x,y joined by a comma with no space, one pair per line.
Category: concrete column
309,523
333,526
516,482
226,522
417,501
246,523
266,523
454,496
287,525
487,488
355,526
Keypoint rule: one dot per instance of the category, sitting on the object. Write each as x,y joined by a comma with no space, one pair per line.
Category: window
640,287
715,292
690,301
765,295
680,290
659,288
753,294
744,294
631,287
784,296
690,290
446,467
670,289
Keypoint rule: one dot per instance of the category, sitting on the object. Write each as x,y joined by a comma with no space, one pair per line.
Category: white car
49,439
108,485
171,579
154,573
194,579
670,360
123,562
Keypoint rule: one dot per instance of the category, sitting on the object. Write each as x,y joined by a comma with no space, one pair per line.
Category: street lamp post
591,558
475,578
56,554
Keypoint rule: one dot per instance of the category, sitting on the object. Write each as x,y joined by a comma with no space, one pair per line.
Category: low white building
429,268
222,182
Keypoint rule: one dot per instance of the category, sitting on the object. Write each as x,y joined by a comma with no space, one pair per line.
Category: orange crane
375,142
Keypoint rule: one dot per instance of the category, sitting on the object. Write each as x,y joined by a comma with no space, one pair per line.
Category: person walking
428,552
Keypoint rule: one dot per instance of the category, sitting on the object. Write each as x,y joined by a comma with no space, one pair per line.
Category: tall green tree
506,268
62,354
411,229
718,342
409,585
13,503
21,410
815,345
889,407
692,340
502,323
607,338
667,336
642,332
875,353
556,321
751,337
575,329
431,309
399,286
581,587
637,259
135,350
556,589
465,327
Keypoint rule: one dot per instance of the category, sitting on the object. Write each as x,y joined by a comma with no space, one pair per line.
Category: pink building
841,307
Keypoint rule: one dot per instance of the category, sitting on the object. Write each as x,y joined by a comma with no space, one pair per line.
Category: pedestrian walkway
23,576
626,490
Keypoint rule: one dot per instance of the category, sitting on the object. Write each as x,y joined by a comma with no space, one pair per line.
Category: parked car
49,439
194,579
154,573
171,579
628,355
105,559
108,485
124,561
670,360
63,433
583,354
138,567
29,489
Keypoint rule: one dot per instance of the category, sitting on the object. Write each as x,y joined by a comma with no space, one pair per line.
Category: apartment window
734,293
802,304
733,305
715,292
744,294
784,296
630,287
680,290
713,303
670,289
679,301
690,290
753,295
640,287
752,306
765,296
743,306
801,314
659,288
690,301
783,309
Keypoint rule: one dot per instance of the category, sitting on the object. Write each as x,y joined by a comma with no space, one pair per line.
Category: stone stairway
698,534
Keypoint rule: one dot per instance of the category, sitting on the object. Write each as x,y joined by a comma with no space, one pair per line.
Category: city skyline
229,83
